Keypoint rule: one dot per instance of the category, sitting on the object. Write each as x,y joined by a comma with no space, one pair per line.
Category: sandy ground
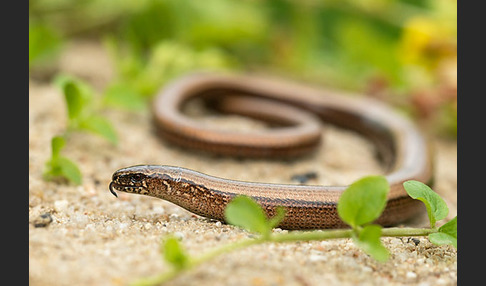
97,239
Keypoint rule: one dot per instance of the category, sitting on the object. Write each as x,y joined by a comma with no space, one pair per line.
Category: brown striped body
400,146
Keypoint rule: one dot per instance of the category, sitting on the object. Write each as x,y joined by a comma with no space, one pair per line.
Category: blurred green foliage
44,44
83,115
60,166
143,76
83,110
400,50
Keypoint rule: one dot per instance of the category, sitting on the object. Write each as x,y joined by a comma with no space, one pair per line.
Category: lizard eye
136,178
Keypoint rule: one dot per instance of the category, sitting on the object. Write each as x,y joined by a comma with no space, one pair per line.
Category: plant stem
345,233
168,275
278,238
407,231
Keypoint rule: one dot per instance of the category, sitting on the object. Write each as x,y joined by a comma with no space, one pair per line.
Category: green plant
437,210
83,115
44,44
361,203
60,166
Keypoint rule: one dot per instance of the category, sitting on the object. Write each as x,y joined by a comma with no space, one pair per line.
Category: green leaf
436,207
78,96
59,166
369,241
63,167
440,238
174,253
74,99
124,96
278,218
363,201
44,43
246,213
57,143
100,126
69,170
61,79
447,234
450,227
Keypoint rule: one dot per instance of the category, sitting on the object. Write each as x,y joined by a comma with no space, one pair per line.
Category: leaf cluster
82,116
437,210
360,205
82,110
60,166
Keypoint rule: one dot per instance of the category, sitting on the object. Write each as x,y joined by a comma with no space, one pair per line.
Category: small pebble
179,235
158,210
367,269
61,205
304,178
316,257
441,281
414,240
43,220
411,275
122,225
80,219
90,227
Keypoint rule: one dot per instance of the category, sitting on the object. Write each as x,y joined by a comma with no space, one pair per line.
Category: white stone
411,275
61,205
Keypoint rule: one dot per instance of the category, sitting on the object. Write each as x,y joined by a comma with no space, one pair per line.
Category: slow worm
296,110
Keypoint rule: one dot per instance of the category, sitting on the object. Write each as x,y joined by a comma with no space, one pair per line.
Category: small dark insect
305,177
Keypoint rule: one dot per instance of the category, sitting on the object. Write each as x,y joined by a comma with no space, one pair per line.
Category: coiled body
400,147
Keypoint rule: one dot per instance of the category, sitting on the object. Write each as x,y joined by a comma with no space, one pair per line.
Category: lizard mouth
125,188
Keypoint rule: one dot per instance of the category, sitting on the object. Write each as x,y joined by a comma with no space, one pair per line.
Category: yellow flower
426,42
